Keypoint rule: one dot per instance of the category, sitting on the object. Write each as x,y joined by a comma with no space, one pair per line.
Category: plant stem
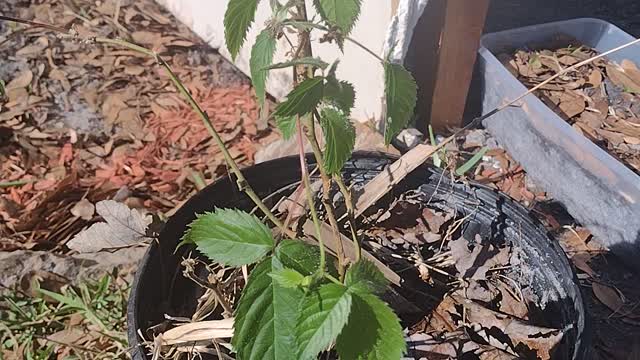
34,24
16,183
359,44
326,201
307,189
305,50
332,279
352,40
348,200
241,181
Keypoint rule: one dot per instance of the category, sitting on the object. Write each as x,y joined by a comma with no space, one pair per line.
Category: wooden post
447,38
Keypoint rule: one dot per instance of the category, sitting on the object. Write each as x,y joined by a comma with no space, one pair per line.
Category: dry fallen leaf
124,227
510,305
617,75
435,219
631,70
632,140
475,263
21,81
146,37
83,209
72,336
580,261
540,339
571,104
608,296
595,78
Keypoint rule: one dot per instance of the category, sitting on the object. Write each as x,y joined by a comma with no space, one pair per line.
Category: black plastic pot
159,287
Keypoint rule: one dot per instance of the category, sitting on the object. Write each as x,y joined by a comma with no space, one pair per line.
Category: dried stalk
217,293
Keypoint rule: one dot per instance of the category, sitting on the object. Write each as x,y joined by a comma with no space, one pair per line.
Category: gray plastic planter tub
597,189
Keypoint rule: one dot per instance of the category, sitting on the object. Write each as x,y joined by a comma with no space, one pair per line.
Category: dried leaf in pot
474,262
542,340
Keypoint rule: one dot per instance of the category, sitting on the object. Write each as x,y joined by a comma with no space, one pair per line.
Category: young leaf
230,237
365,276
373,331
261,57
303,99
237,20
312,61
287,278
340,94
341,13
401,94
323,314
339,137
472,162
287,125
265,317
300,256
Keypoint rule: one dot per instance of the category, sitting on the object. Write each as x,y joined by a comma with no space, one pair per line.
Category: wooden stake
452,30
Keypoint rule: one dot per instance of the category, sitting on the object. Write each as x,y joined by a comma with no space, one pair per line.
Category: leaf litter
609,289
83,123
481,305
600,100
613,302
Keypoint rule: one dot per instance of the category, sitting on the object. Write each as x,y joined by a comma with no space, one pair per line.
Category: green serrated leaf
400,94
300,256
472,162
287,278
365,276
340,94
261,57
303,99
323,314
237,20
231,237
373,331
265,317
312,61
287,126
341,13
339,137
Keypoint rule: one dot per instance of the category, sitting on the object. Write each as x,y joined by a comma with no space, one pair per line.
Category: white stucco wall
205,17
